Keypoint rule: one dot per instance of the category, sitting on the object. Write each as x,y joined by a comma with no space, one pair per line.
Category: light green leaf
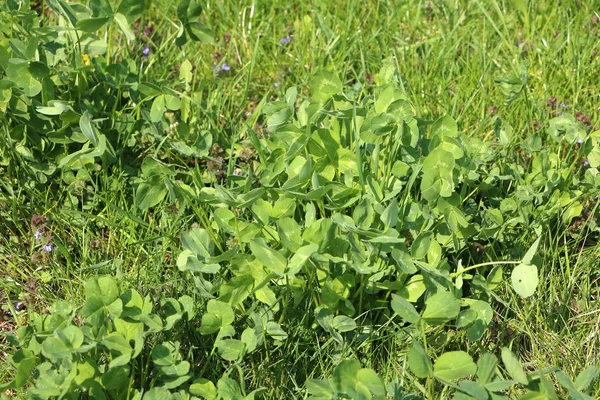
439,161
299,258
325,84
320,389
199,32
236,289
85,124
383,124
120,349
250,340
420,246
440,308
370,379
486,368
72,336
513,366
289,233
587,377
271,259
31,86
149,194
276,331
404,309
55,349
203,387
404,260
525,279
454,365
218,314
531,252
157,393
189,261
158,108
92,45
342,323
445,126
123,24
279,118
419,362
104,288
197,241
473,389
390,214
230,349
495,277
173,103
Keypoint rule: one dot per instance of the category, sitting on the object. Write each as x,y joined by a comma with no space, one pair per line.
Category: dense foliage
329,228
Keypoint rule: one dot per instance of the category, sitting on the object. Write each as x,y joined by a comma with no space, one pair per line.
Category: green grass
449,56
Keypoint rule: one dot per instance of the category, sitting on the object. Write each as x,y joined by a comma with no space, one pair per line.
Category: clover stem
454,275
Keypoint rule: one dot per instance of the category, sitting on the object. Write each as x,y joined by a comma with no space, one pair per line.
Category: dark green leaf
91,24
132,9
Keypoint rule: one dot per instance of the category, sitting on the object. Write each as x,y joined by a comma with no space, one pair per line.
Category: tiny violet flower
37,235
146,51
520,42
219,68
579,141
48,247
276,84
286,40
564,107
586,163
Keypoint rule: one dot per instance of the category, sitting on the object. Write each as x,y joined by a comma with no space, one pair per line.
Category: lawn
327,200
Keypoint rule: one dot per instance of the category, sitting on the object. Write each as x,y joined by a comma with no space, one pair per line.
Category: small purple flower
146,51
37,235
564,107
276,84
520,42
586,163
219,68
48,247
579,141
285,40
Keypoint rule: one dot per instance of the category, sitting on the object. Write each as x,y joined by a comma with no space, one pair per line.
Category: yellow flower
86,59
